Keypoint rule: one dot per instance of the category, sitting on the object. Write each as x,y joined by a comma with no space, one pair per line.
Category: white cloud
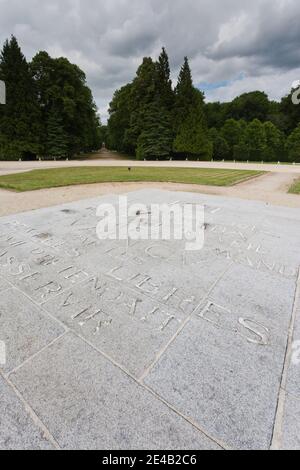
108,39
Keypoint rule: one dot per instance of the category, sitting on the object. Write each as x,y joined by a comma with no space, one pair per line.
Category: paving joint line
183,325
220,444
32,414
276,441
33,356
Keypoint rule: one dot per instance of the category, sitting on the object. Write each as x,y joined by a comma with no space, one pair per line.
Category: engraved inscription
221,317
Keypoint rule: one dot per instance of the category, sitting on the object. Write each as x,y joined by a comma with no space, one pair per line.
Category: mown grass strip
295,188
58,177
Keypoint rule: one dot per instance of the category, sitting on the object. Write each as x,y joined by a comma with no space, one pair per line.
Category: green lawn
295,188
39,179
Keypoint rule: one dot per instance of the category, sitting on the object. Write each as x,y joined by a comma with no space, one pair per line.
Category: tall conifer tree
192,139
57,140
20,117
164,83
191,133
155,141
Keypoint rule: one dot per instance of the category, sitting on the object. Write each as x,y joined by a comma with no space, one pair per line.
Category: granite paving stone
17,429
91,326
88,403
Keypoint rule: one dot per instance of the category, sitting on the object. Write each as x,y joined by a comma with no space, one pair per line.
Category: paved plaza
144,345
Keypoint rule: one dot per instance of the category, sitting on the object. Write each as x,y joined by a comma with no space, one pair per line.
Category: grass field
39,179
295,188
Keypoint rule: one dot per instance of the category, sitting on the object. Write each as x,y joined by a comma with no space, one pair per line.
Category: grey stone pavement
143,345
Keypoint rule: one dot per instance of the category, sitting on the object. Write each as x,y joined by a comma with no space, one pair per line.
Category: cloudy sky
233,45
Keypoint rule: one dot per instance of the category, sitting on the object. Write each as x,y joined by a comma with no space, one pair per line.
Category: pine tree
190,128
192,139
184,95
57,140
155,141
164,83
184,88
142,94
20,117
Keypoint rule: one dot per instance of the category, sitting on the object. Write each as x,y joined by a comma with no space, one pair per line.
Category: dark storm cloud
271,34
225,40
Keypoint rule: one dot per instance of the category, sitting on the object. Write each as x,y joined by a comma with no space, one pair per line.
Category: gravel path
106,158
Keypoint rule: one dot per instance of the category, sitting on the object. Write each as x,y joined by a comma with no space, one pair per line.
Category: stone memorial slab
40,273
206,331
127,325
288,426
226,384
267,246
293,373
88,403
4,285
291,424
231,354
132,307
17,429
23,328
267,298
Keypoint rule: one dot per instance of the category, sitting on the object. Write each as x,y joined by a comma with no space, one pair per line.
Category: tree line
150,119
49,110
